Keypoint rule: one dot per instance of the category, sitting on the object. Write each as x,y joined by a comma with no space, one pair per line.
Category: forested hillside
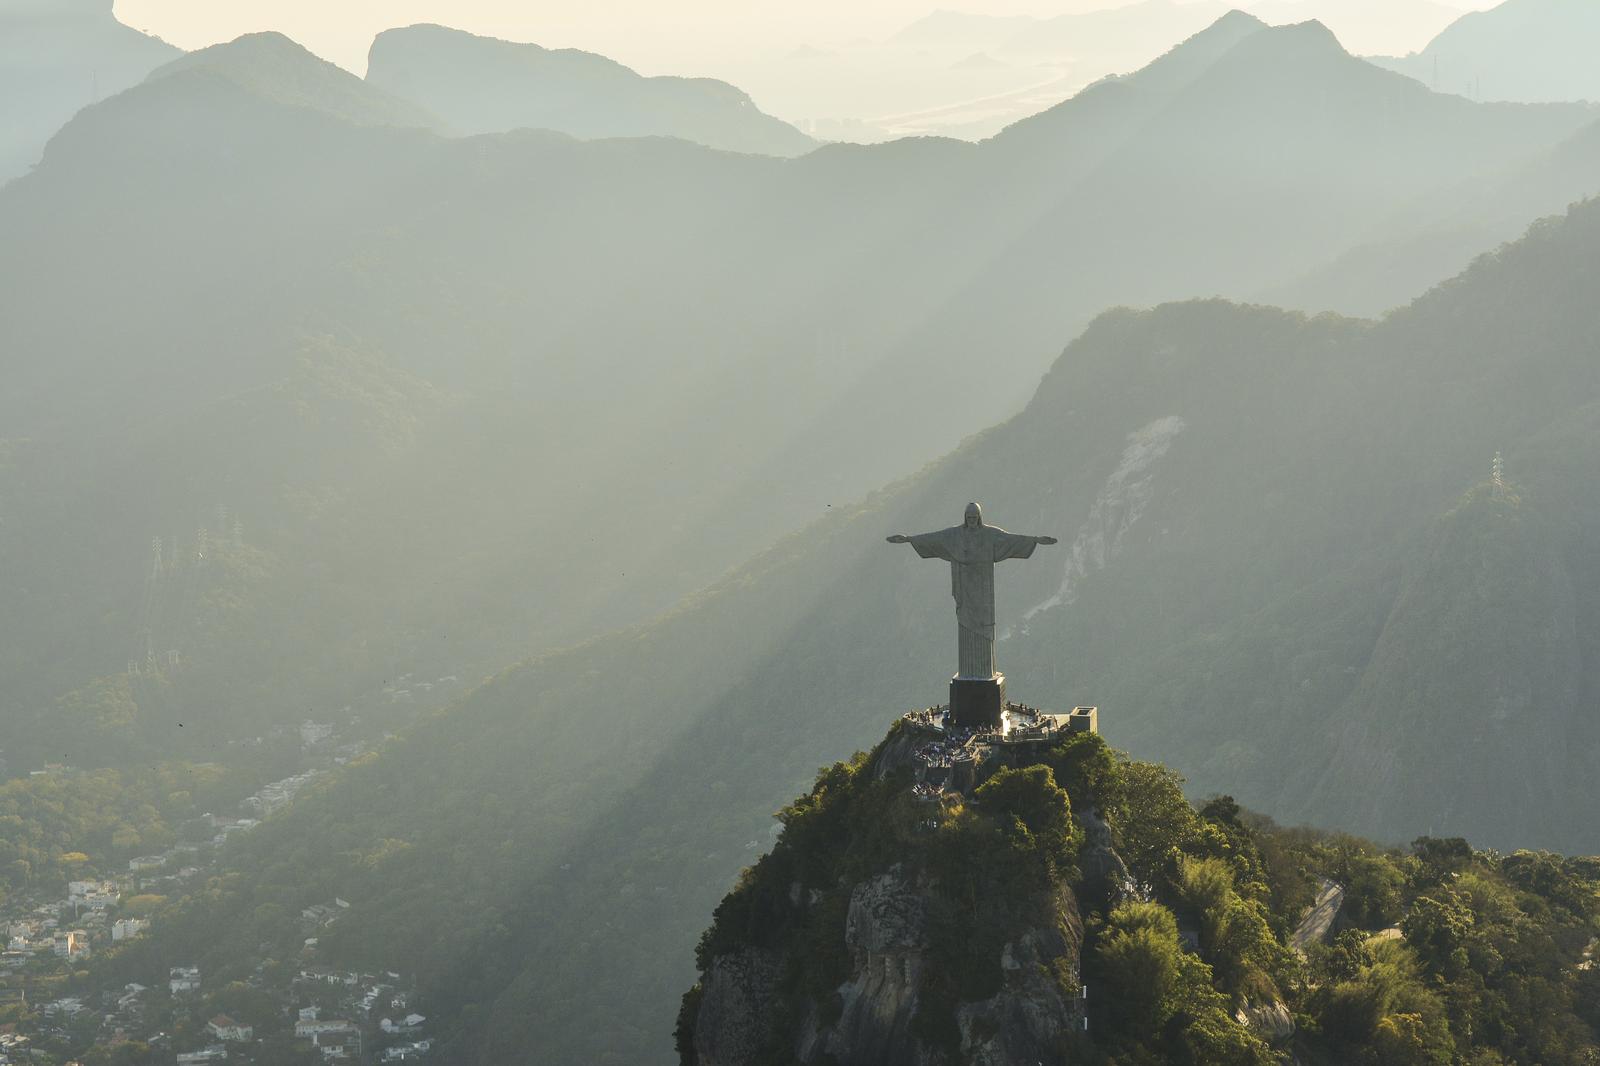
1269,525
392,361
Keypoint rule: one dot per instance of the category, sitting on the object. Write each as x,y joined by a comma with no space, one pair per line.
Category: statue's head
974,517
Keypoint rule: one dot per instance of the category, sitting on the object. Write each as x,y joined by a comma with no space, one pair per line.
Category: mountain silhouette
483,85
57,57
1527,50
278,227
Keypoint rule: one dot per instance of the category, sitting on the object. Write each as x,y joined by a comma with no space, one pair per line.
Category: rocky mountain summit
1025,895
925,904
888,934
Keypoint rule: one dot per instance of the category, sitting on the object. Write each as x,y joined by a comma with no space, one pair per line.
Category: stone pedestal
976,702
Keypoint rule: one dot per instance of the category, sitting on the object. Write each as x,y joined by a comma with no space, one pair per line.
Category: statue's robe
972,554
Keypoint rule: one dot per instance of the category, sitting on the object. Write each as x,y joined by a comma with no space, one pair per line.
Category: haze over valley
443,487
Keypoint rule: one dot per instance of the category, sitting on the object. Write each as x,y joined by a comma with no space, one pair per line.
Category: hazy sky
827,65
646,33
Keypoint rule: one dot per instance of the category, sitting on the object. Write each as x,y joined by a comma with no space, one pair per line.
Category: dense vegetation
1442,955
79,824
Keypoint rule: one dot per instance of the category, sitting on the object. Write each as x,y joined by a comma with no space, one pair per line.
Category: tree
1154,822
1234,932
1040,814
1404,1040
1138,963
1086,768
1373,889
1441,857
1438,927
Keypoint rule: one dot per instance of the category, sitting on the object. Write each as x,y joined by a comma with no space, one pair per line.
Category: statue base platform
977,702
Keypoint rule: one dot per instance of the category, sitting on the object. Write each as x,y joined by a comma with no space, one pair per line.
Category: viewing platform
1019,723
946,755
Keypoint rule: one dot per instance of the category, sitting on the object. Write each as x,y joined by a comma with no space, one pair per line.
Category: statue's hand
1045,540
899,538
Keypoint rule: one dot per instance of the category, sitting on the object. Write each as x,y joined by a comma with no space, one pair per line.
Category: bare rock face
1028,1020
737,1008
1270,1021
886,932
887,915
1101,864
898,752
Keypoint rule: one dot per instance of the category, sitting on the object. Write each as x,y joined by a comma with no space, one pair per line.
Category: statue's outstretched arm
926,545
1044,540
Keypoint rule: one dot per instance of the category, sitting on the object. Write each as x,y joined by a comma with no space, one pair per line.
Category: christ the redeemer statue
977,692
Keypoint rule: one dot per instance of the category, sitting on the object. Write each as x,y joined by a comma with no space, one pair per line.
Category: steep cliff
900,921
925,904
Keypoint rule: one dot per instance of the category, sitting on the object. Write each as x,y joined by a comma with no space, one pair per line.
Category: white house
340,1047
225,1028
316,1030
184,979
127,928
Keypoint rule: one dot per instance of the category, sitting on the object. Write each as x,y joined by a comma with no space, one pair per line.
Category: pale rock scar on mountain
1121,503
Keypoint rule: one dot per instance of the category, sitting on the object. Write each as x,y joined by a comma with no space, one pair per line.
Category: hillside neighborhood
55,1010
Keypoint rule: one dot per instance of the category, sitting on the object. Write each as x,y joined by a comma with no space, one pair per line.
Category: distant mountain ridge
1143,27
1444,233
484,85
274,67
1362,24
1527,50
275,218
56,57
